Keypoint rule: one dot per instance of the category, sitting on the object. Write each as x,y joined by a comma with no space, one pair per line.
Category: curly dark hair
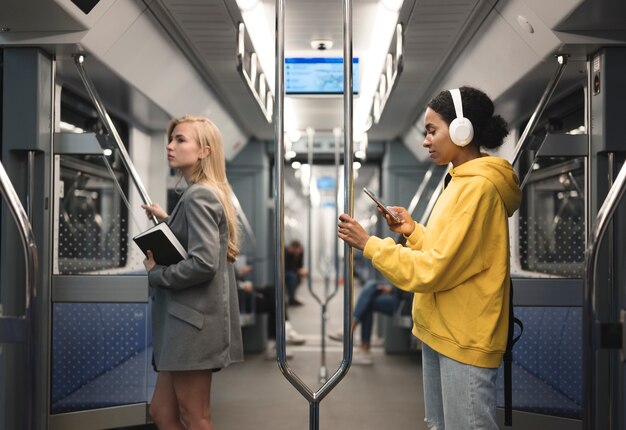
489,129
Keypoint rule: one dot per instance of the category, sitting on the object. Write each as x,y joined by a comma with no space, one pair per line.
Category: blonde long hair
211,170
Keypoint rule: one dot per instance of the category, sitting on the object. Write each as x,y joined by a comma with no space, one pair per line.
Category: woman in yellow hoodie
458,263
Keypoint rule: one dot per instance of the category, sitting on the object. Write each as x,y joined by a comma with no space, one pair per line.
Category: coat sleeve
455,256
203,211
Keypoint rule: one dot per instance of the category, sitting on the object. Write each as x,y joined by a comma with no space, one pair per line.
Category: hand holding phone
380,204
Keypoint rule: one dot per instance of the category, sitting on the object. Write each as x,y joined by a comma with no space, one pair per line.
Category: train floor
254,395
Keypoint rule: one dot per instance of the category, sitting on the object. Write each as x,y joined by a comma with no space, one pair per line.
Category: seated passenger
265,303
377,296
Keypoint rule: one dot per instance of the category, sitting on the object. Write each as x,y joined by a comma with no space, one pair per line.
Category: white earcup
461,129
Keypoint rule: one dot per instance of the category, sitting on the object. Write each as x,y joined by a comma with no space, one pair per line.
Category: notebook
164,245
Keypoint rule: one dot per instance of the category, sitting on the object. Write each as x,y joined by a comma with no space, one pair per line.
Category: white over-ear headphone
461,129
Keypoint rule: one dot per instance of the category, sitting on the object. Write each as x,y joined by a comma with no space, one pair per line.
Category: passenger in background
458,264
265,303
377,296
294,270
195,317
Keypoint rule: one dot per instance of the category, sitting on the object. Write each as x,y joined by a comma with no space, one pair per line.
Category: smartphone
380,204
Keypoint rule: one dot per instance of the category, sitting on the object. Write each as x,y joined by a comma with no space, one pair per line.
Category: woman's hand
406,224
149,262
352,232
156,210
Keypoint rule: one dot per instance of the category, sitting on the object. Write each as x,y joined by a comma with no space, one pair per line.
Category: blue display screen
318,75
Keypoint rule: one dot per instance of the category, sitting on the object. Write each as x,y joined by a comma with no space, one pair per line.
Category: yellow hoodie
458,264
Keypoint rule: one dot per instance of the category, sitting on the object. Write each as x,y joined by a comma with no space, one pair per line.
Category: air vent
86,5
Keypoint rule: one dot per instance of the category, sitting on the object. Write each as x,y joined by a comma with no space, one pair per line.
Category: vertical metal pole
31,185
337,134
279,186
314,415
348,178
310,133
314,398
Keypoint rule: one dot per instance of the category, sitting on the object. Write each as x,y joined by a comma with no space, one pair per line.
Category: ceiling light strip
389,77
251,72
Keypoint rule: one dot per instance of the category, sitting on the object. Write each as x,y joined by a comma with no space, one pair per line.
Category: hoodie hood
500,173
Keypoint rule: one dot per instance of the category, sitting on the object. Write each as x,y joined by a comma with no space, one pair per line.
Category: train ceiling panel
207,29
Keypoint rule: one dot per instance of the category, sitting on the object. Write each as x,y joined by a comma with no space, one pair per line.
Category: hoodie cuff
415,236
372,245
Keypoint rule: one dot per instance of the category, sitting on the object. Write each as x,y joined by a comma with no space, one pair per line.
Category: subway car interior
315,100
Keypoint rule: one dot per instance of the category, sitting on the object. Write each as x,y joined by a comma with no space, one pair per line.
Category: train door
92,325
100,359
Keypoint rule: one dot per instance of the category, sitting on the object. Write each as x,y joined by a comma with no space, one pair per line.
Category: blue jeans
458,396
291,283
372,300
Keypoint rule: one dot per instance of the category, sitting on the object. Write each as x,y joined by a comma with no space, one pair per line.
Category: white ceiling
433,28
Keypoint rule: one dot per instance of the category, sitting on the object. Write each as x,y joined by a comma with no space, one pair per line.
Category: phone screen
381,205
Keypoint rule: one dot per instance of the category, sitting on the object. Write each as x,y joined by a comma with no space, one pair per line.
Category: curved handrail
543,102
26,236
30,286
605,214
433,199
79,60
421,188
244,220
313,397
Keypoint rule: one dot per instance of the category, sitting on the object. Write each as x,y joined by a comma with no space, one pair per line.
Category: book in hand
165,247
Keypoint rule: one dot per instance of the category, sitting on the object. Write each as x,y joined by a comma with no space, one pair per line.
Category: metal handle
244,221
18,328
26,236
422,187
79,59
433,199
313,397
543,102
604,217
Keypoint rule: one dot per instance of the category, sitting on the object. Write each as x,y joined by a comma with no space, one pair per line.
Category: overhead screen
318,76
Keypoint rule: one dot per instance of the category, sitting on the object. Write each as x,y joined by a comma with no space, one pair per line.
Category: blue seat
100,355
547,362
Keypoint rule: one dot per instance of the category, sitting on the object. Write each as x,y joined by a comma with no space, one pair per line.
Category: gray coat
195,312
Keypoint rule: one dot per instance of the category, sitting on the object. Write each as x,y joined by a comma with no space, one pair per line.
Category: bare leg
193,392
164,406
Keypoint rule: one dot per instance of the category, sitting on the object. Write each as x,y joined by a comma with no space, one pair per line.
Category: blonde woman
195,313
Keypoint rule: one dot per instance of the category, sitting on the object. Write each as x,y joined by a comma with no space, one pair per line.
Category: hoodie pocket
186,314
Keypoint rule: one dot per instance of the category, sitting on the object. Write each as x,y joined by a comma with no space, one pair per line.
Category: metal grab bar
244,220
433,199
15,329
604,217
79,60
26,236
314,398
421,188
543,102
